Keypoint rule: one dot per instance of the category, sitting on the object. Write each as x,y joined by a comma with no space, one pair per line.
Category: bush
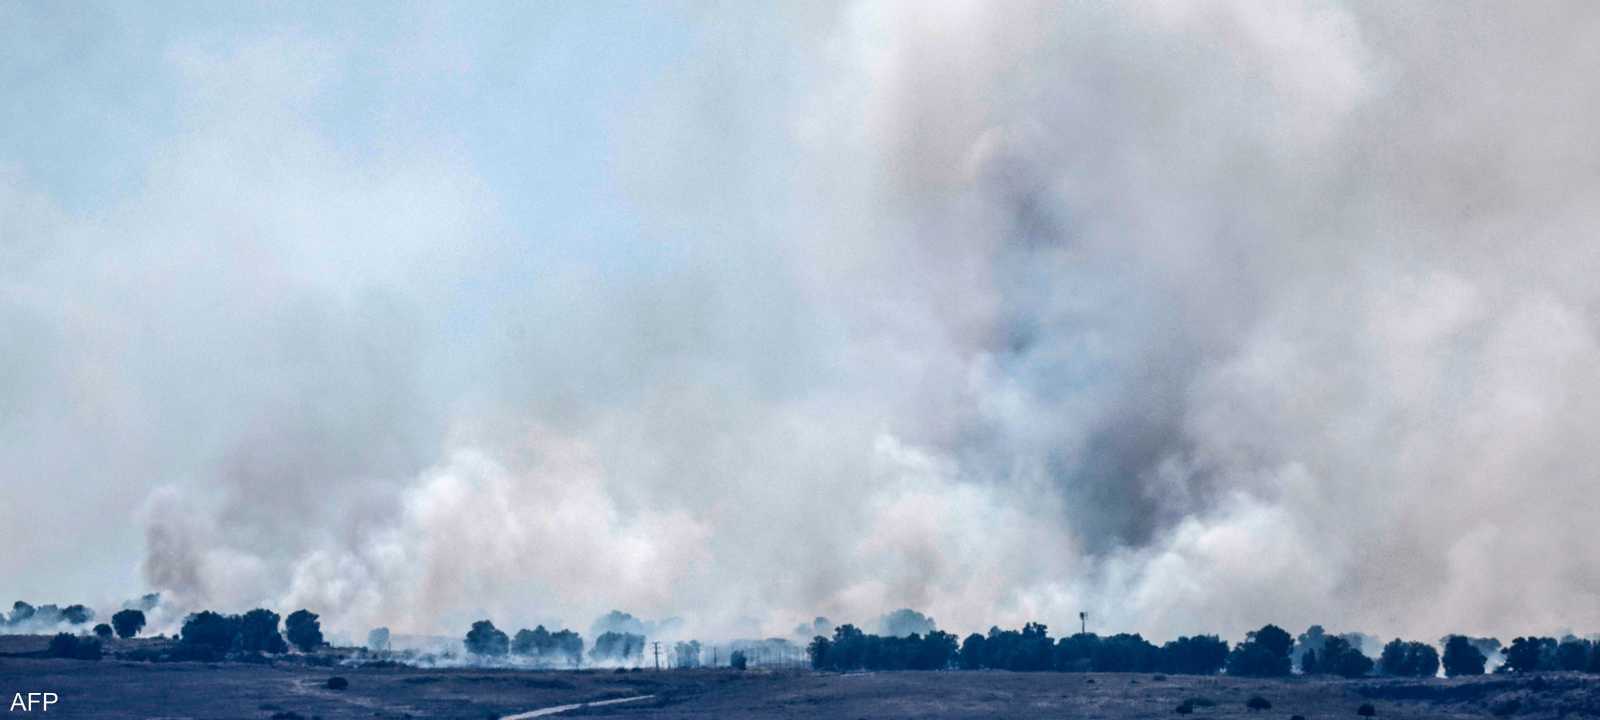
303,630
102,631
1366,710
1256,702
338,683
67,645
128,623
1183,709
737,660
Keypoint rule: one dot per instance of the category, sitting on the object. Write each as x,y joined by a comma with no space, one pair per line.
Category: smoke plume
1190,316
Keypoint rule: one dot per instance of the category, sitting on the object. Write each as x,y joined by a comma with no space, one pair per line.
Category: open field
119,689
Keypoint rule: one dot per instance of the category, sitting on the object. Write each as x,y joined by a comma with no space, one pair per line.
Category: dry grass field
115,688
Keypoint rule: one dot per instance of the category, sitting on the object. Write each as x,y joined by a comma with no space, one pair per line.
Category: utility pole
1083,618
656,646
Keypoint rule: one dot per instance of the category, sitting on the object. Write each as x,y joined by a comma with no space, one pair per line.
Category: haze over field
1192,316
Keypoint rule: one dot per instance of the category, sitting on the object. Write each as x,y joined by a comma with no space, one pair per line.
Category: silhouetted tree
849,648
1125,653
128,623
1341,658
1527,654
1197,655
568,645
737,660
1310,640
1310,663
304,630
21,612
210,630
526,642
77,614
1076,653
936,651
258,632
1264,653
102,631
617,646
485,639
1573,654
67,645
687,654
971,653
820,651
1461,657
1408,659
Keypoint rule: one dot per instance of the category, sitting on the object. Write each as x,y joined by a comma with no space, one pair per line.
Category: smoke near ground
1192,317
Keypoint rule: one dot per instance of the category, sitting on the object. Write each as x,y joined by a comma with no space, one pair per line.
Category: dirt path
542,712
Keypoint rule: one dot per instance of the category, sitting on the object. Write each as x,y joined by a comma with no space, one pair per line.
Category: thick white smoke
1194,317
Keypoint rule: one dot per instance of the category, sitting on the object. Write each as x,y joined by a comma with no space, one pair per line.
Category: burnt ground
115,688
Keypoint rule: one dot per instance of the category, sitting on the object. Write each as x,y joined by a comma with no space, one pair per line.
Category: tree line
1266,652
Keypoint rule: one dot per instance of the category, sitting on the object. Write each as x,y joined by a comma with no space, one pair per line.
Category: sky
1190,316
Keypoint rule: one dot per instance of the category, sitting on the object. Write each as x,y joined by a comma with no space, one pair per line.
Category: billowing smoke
1190,316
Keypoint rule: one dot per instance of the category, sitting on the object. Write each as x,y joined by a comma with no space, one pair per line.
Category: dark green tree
1461,657
304,630
128,623
487,640
258,632
1264,653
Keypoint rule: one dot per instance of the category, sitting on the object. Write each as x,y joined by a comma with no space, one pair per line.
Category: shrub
1256,702
338,683
1366,710
102,631
737,660
67,645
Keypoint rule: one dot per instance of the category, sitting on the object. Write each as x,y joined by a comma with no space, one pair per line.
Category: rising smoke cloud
1191,316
